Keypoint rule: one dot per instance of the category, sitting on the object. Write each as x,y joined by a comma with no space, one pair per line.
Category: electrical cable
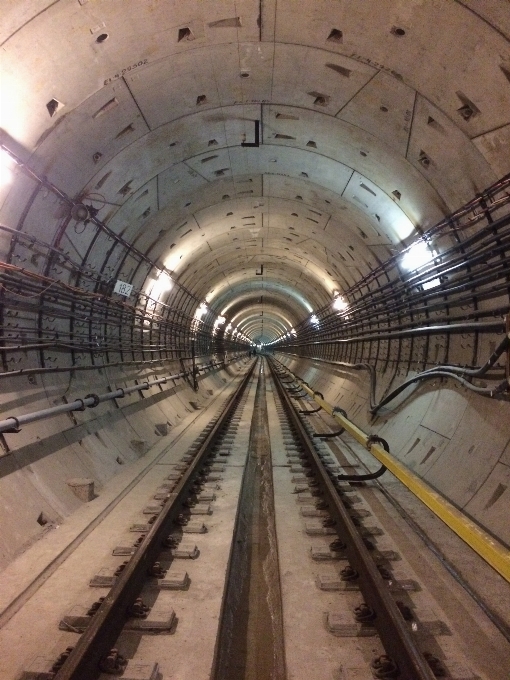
499,391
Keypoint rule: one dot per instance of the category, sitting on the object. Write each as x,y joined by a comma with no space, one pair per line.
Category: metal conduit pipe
162,327
462,259
498,271
499,391
449,261
395,303
455,372
96,348
490,326
475,314
421,303
13,423
346,327
444,224
76,367
482,370
405,328
101,302
474,372
20,235
465,283
79,341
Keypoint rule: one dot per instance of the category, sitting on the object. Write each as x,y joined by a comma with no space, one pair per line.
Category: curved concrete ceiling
375,120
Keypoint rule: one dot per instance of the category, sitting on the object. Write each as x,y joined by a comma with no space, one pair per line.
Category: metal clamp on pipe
15,429
80,408
95,400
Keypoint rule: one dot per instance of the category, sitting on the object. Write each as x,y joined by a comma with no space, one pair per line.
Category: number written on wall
123,288
142,62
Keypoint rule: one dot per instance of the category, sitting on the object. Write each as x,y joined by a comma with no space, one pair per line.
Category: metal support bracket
256,143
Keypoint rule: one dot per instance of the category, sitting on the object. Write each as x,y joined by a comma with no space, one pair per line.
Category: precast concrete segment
490,549
310,651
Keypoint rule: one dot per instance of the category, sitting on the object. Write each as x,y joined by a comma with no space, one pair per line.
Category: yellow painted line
491,550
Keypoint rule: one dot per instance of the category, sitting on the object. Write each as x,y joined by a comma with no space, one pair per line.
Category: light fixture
340,303
433,283
200,311
162,285
220,320
314,319
417,256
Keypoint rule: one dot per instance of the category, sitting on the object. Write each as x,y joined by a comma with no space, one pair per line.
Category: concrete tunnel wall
457,441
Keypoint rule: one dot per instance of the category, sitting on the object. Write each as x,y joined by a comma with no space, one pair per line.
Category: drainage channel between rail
250,644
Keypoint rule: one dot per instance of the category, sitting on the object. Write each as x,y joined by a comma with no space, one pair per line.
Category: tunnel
187,185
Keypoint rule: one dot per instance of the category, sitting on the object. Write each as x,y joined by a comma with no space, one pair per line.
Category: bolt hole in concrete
250,643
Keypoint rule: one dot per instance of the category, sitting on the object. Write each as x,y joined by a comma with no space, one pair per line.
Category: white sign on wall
123,288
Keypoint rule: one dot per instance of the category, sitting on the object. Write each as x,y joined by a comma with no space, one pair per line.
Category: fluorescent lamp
417,256
340,303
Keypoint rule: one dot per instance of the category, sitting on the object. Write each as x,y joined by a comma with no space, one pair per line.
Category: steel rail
397,638
106,625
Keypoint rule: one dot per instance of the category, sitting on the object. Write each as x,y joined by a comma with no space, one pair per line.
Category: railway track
247,557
